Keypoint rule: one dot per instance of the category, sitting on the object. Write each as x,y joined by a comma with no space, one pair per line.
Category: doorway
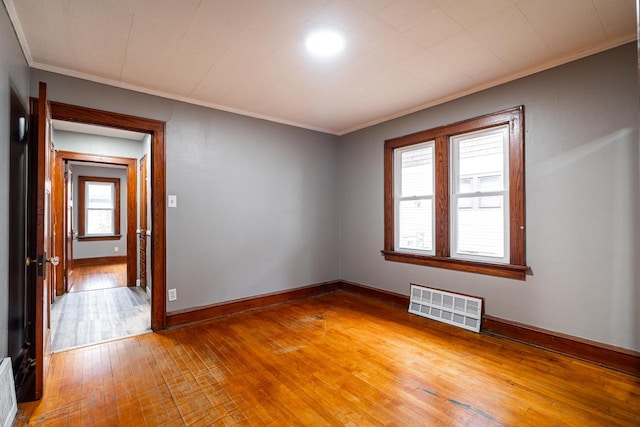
156,237
41,274
98,297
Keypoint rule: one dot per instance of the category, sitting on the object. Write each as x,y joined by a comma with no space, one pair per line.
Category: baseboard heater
455,309
8,402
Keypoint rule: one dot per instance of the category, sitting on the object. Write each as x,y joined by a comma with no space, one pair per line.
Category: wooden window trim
82,180
516,268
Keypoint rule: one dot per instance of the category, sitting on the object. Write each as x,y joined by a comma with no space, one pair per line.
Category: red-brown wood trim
518,272
442,197
612,357
156,128
99,238
57,226
197,314
389,206
82,182
517,269
104,260
517,188
391,298
132,206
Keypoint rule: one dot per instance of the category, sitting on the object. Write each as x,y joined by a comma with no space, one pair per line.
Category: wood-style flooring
104,276
100,308
337,359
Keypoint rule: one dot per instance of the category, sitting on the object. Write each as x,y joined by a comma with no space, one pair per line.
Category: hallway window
98,207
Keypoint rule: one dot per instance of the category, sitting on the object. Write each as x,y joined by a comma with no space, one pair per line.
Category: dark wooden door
68,226
19,333
143,224
43,255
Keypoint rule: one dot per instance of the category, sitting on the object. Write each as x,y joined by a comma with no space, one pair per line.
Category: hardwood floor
104,276
337,359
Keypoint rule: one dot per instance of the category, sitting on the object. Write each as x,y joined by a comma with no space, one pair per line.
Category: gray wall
13,73
101,248
582,197
96,144
257,201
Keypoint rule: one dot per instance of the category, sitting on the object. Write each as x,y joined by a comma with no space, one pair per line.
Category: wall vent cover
8,403
455,309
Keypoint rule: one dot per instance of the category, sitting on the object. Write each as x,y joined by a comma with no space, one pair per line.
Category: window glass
416,219
100,208
417,172
480,222
414,204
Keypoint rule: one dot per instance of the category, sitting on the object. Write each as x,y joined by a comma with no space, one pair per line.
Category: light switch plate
172,201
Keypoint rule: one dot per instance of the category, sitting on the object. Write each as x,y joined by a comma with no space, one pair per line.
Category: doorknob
28,261
54,260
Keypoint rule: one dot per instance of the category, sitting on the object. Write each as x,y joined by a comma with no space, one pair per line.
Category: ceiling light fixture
325,43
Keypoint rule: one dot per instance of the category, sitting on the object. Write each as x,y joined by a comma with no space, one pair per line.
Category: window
454,196
98,208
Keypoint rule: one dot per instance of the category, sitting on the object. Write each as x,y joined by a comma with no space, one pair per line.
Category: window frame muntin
517,268
82,208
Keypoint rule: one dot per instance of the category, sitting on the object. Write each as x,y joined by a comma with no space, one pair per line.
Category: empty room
327,212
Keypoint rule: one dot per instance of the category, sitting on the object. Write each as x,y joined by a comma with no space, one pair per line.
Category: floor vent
455,309
8,403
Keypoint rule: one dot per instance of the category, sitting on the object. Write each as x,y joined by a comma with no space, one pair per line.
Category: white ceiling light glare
325,43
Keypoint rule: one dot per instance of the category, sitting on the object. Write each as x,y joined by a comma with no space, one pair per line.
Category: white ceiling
248,56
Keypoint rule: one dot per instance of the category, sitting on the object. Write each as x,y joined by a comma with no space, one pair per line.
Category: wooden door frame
143,221
132,207
156,128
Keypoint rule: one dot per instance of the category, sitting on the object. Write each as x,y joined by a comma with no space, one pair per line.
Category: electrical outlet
173,295
116,249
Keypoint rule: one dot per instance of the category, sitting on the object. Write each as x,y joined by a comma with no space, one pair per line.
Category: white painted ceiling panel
101,53
433,30
151,45
248,56
517,44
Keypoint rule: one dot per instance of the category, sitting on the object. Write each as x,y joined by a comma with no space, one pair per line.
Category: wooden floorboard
103,276
336,359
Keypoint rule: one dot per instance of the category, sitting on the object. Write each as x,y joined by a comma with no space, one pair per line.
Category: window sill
98,238
510,271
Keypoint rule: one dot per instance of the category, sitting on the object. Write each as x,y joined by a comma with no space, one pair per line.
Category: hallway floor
98,308
92,277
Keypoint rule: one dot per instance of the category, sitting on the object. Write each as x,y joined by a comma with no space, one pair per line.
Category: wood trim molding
617,358
156,128
391,298
198,314
82,186
132,207
104,260
441,136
